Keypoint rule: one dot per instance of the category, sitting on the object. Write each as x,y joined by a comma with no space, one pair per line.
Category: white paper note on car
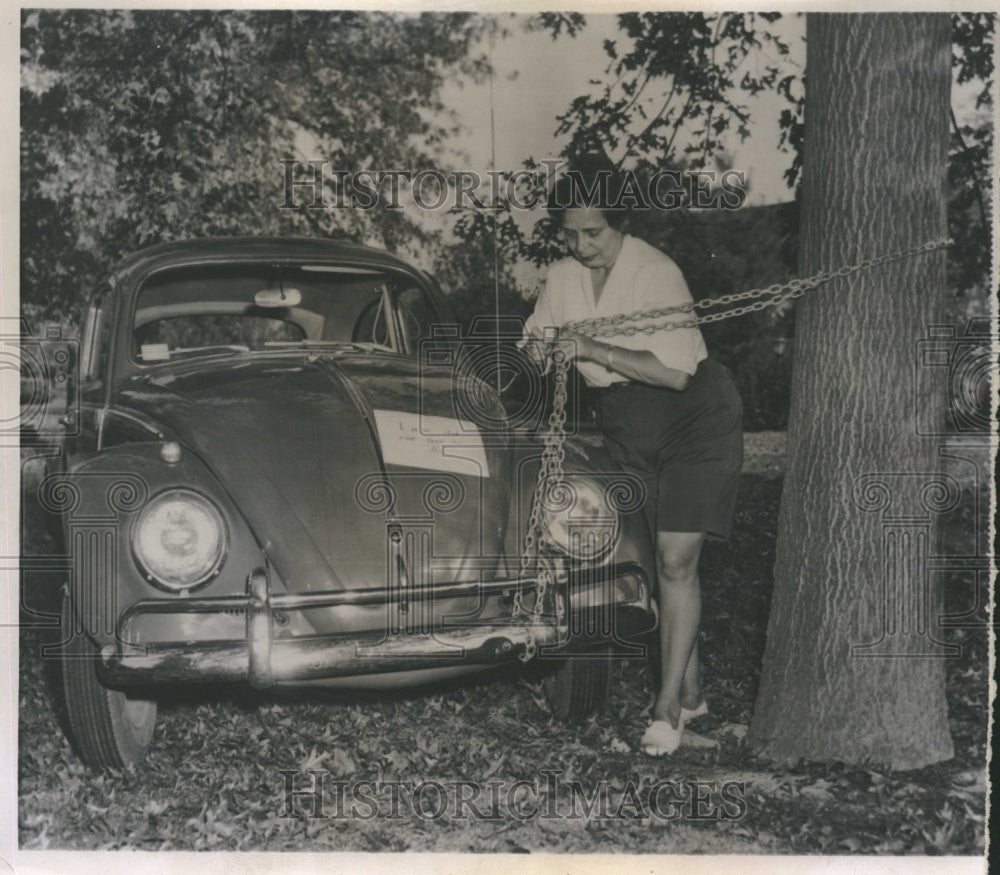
437,443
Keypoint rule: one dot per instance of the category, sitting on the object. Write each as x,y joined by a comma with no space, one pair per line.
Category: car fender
100,498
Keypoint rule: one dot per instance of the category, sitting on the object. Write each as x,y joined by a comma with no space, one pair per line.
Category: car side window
372,326
97,337
416,317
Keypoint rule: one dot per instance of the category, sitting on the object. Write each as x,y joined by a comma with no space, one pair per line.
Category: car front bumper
607,605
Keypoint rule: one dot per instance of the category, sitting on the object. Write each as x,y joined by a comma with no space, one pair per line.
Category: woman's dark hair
590,181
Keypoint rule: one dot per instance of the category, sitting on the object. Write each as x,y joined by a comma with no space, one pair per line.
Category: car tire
579,686
108,729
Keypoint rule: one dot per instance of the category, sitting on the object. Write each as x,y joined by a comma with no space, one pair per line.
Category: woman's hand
538,349
579,346
570,344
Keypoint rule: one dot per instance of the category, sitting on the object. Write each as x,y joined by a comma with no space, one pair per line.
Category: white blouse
642,278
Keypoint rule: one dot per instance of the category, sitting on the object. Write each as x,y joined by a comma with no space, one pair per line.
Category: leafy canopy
142,126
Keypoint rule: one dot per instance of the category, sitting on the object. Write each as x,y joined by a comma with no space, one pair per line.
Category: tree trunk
852,670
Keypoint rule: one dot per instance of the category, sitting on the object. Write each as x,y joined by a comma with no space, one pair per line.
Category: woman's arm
636,364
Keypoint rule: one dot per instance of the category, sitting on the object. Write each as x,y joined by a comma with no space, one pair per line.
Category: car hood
321,452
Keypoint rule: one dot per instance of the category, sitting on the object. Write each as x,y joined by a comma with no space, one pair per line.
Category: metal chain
550,481
775,295
550,472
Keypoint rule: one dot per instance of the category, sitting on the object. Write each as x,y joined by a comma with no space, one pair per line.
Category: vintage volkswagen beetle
283,470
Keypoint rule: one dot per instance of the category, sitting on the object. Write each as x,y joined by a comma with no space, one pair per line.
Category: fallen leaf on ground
693,739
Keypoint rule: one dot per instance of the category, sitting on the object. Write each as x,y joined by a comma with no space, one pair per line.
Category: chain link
550,472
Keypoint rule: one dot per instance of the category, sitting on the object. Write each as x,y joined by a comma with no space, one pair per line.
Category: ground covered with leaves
482,766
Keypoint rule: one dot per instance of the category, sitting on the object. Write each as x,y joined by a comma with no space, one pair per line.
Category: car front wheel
109,729
579,686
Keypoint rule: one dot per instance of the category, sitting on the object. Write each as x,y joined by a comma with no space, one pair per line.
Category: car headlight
180,539
579,519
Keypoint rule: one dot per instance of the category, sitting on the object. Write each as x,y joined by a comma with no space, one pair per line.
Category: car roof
209,250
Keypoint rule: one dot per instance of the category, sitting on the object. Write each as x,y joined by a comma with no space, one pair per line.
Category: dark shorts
686,446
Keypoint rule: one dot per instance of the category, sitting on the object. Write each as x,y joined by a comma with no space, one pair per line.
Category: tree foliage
676,88
479,266
969,164
142,126
673,90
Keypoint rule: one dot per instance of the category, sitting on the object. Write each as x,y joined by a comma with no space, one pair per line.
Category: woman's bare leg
691,684
677,555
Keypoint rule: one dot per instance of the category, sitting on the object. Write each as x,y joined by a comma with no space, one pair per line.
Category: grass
213,779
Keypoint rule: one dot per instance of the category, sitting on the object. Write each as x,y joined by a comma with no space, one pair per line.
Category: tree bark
852,669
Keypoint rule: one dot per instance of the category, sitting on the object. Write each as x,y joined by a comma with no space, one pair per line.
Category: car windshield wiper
230,348
309,344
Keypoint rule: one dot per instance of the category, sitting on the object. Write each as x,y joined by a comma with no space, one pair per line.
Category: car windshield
231,309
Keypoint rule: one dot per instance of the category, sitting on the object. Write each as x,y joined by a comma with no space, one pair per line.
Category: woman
668,413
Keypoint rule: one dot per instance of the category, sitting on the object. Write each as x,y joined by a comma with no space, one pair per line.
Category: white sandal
661,737
690,713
